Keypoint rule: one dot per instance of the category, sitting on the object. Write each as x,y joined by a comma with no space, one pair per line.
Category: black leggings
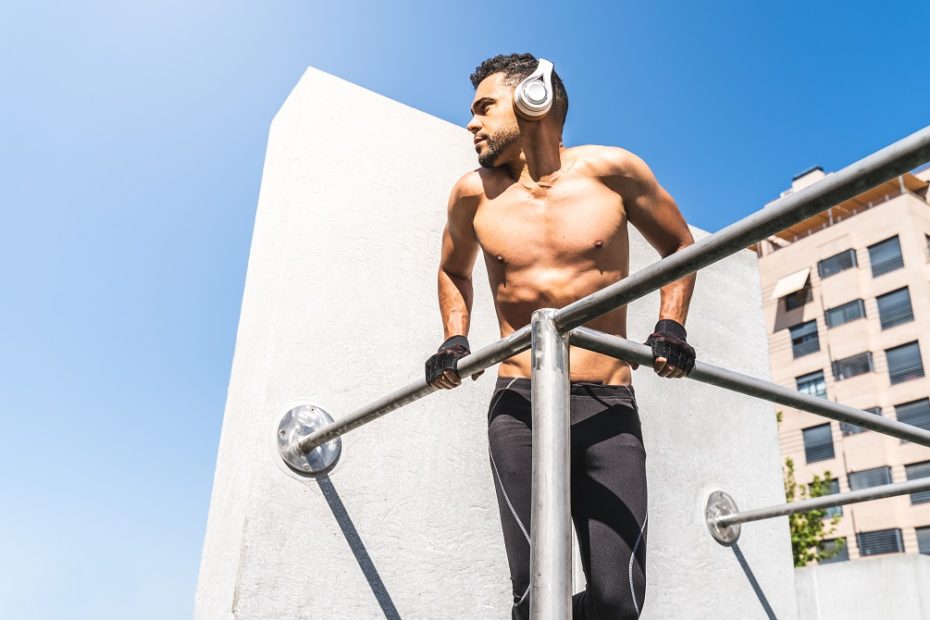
608,493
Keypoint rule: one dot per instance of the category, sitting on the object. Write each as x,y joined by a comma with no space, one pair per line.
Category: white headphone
532,98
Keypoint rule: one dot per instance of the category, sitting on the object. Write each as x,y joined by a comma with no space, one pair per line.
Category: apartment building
846,295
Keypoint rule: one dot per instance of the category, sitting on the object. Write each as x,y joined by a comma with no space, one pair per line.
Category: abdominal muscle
584,365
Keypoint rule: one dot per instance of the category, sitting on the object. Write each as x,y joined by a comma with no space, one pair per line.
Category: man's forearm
455,299
675,298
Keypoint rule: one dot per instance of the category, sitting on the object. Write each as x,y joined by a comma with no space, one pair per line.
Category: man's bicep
652,210
459,242
458,253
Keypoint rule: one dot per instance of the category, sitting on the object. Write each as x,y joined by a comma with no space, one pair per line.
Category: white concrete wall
340,308
891,586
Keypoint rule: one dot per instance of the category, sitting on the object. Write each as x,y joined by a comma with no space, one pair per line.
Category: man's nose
473,125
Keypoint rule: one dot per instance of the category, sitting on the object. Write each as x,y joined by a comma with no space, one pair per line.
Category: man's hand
440,367
672,356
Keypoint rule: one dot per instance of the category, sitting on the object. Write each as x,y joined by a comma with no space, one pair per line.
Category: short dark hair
518,67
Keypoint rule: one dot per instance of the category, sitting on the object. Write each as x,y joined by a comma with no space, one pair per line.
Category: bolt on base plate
297,424
719,503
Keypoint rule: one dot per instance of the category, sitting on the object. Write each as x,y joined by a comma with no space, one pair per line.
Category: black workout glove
668,341
445,359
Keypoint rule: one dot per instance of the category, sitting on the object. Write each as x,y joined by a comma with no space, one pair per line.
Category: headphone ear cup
533,97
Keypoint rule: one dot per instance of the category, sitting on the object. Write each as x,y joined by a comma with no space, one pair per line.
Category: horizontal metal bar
834,188
826,501
515,343
630,351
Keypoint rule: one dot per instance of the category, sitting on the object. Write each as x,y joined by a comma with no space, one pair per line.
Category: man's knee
612,605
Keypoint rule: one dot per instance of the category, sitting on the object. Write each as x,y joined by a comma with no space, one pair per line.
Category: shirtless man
552,223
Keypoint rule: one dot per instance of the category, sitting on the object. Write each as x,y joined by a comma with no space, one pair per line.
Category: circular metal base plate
297,424
719,504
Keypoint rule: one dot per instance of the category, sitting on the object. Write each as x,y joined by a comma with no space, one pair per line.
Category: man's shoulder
470,185
607,161
466,195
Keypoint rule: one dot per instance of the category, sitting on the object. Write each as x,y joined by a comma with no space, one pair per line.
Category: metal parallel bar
826,501
515,343
550,520
883,165
836,187
721,377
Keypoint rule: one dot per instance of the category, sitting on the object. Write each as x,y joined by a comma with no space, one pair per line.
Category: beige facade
867,361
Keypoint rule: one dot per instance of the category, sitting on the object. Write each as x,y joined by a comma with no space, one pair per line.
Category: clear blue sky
132,138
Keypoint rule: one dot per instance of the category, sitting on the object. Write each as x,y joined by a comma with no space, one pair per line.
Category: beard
496,144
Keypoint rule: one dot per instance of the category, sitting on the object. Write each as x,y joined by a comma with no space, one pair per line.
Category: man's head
494,118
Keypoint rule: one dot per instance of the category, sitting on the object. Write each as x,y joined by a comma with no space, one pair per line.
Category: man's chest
575,218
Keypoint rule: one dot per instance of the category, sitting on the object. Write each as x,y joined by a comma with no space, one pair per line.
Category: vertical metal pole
550,523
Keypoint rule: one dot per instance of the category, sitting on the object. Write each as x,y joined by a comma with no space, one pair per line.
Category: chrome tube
551,519
834,188
515,343
826,501
630,351
877,168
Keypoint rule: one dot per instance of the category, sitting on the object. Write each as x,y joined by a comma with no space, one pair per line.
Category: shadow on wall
753,582
384,598
358,548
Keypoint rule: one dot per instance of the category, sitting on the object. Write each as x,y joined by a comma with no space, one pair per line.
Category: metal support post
550,521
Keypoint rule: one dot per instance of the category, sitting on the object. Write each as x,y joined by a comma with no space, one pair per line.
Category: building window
894,308
797,299
818,443
841,315
915,471
852,366
804,339
880,541
854,429
813,384
827,546
837,263
904,363
915,413
885,256
869,478
923,539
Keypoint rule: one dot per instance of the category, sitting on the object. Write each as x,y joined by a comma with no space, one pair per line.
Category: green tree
809,529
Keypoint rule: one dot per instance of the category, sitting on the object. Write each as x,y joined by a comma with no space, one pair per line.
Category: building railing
308,438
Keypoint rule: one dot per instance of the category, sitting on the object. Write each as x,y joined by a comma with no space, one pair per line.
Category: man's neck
540,161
